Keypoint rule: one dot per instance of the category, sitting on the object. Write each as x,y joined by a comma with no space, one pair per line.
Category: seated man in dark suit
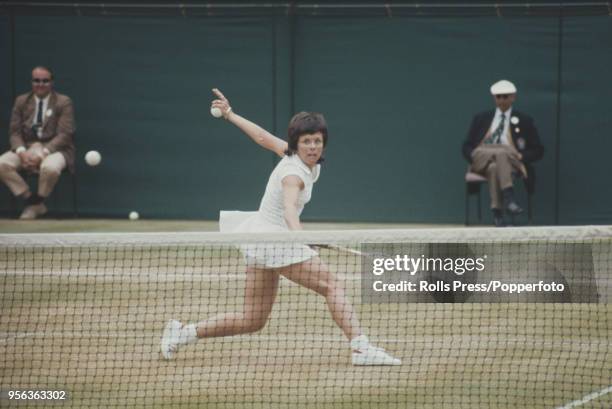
499,143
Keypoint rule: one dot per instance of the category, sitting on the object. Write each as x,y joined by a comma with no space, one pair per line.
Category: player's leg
260,292
315,275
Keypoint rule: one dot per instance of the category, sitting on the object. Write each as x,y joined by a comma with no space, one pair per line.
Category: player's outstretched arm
254,131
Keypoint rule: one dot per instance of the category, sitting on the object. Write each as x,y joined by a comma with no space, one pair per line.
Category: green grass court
91,325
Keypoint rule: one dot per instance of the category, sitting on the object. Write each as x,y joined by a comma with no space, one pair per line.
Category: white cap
503,87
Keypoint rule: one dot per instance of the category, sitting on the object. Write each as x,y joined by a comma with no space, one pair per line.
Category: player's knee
256,320
324,287
492,168
256,324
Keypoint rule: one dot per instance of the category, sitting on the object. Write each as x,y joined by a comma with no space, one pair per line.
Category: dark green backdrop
398,93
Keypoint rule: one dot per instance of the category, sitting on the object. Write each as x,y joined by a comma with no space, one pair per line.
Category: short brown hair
304,123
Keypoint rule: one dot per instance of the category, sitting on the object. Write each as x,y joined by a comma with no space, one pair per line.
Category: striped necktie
496,136
37,126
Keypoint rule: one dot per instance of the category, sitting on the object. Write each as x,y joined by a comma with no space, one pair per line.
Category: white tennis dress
270,217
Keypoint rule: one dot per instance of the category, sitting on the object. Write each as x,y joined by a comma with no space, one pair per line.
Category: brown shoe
33,211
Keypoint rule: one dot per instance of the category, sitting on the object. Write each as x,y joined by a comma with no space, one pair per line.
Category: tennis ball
93,158
216,112
134,215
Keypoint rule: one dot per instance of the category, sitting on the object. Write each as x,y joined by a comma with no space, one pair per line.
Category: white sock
188,335
360,343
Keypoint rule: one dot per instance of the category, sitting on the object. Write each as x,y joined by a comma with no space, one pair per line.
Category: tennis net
487,318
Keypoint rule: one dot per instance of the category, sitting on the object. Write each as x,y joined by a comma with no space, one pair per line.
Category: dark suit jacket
524,135
58,125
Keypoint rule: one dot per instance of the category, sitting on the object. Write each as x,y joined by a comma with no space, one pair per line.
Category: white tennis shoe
373,356
170,339
365,354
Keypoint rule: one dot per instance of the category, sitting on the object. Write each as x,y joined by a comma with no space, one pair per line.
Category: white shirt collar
45,99
508,113
296,158
314,172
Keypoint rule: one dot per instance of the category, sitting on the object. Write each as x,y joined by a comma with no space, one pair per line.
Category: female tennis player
289,188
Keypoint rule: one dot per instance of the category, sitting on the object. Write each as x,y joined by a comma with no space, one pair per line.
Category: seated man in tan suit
499,143
41,137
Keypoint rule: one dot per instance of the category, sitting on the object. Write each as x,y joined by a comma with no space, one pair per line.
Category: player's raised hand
220,106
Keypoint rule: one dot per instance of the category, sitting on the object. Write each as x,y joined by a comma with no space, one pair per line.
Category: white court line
22,335
586,398
146,275
92,334
7,336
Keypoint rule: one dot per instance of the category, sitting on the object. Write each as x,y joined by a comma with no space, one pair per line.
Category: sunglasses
40,80
502,96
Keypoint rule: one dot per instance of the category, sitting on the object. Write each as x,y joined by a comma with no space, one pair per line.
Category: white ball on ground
216,112
134,216
93,158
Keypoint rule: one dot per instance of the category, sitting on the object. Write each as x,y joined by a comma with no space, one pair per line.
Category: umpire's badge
520,142
514,120
49,112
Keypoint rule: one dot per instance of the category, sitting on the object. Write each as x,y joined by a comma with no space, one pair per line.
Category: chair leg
529,209
13,209
75,211
467,205
479,206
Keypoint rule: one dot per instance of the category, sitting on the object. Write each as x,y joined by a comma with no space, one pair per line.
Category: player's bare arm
254,131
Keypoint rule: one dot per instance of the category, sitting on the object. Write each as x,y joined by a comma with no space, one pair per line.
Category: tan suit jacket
57,130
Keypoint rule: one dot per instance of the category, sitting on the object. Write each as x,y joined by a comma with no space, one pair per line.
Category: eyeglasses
40,80
502,96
